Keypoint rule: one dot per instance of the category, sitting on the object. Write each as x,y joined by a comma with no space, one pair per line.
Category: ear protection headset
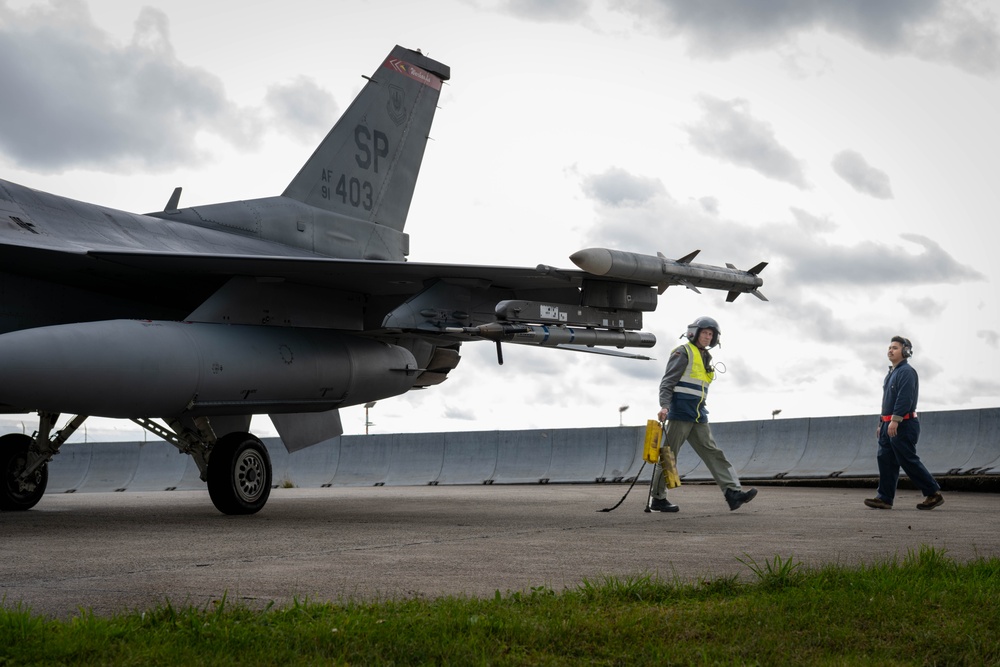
907,346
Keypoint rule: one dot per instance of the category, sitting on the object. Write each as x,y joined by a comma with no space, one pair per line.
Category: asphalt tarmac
110,553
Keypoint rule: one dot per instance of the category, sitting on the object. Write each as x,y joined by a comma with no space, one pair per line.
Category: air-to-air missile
664,272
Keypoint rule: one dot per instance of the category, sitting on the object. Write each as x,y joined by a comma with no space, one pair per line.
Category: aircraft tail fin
367,165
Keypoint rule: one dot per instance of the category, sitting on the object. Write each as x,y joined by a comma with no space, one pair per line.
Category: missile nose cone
593,260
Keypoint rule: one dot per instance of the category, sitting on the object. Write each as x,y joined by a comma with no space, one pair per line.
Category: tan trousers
700,437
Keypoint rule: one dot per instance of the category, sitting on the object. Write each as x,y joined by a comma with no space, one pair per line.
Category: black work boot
738,499
662,505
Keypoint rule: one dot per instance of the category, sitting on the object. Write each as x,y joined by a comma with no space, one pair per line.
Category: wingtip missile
663,272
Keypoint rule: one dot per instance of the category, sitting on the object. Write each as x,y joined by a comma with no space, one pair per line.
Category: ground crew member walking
898,431
683,391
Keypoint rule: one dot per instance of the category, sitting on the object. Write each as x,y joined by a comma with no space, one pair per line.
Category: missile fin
757,269
732,296
689,286
686,259
758,295
731,266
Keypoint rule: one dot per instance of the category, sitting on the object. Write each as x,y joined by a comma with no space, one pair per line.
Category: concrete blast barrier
470,457
959,442
985,458
837,445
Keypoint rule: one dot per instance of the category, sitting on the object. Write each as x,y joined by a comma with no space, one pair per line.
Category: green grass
922,610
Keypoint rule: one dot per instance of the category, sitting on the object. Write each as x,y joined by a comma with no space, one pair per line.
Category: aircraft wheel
13,459
239,474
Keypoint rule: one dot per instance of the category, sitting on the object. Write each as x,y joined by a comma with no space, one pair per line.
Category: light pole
368,405
775,413
621,411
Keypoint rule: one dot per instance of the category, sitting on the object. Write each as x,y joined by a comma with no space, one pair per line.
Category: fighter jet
188,321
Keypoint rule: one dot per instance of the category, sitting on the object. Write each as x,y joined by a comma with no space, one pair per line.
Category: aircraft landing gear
239,474
18,494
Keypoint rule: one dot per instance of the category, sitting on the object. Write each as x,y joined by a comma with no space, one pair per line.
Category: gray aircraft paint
292,305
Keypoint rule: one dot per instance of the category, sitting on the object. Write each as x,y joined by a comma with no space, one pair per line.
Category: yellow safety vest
696,379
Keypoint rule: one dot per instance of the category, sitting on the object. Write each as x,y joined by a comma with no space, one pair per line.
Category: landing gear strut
236,466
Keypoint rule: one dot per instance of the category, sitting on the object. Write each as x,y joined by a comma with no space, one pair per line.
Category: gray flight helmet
704,323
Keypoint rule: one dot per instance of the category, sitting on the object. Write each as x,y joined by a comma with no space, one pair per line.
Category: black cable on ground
634,480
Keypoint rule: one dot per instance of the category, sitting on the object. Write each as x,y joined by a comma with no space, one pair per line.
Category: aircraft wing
366,276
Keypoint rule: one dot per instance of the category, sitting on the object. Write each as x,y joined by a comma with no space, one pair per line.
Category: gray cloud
959,33
866,179
461,413
812,223
817,262
302,108
710,205
982,389
798,249
75,98
548,10
729,132
924,307
991,337
617,187
845,385
72,98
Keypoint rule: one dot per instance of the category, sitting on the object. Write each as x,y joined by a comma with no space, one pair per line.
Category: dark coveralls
899,403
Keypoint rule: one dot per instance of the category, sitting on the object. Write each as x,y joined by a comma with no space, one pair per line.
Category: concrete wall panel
470,457
308,468
112,467
363,461
834,445
70,467
947,439
624,455
161,466
780,446
417,459
985,458
578,454
523,456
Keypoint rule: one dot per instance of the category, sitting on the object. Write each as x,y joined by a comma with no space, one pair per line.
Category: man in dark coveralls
898,432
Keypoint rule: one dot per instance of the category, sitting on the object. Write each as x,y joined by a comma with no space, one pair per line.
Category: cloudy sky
851,144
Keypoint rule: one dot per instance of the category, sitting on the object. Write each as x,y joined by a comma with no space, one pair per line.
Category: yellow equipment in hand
651,453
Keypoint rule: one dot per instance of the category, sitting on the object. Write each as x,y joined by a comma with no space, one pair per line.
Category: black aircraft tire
13,459
239,474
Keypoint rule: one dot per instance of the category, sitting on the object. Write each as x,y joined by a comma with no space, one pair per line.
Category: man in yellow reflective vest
683,391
